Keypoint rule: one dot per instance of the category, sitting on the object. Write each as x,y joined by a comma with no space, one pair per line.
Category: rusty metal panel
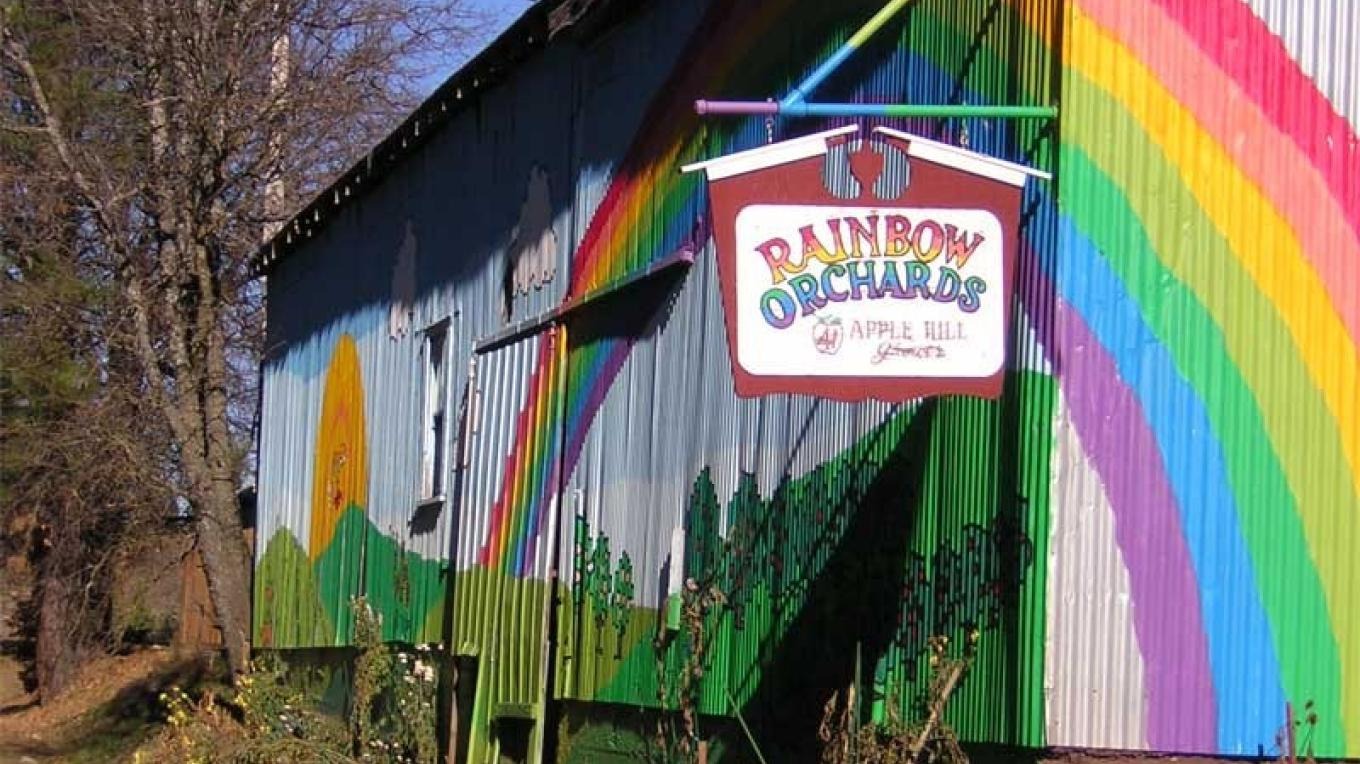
1208,294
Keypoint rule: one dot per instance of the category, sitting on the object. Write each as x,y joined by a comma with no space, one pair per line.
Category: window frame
433,408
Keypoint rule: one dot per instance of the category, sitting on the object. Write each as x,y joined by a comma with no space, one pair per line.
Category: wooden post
1289,732
854,703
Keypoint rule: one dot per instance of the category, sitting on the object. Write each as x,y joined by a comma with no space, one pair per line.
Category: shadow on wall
843,603
635,313
818,579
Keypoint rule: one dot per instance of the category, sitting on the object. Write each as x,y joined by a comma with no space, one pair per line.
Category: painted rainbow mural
1208,287
1170,486
304,594
1212,288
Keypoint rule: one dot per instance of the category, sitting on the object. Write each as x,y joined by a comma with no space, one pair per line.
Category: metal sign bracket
795,103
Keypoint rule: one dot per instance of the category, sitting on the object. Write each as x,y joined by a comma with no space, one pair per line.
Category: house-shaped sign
848,295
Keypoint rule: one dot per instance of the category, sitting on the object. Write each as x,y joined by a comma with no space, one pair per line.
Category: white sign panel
869,291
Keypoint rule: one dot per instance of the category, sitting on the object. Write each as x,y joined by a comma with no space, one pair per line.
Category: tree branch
51,127
10,127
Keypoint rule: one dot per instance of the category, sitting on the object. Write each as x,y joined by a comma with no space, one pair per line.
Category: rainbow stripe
1205,333
1220,281
645,214
530,470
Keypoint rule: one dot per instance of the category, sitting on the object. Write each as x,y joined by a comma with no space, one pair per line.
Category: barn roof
536,28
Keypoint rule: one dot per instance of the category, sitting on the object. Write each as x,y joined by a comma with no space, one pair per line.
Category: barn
503,399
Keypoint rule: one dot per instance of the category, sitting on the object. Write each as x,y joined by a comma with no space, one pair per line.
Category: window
434,356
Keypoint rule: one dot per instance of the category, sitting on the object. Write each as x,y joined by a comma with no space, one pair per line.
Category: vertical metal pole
843,52
275,200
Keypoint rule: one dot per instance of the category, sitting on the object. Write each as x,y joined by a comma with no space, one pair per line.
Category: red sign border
800,182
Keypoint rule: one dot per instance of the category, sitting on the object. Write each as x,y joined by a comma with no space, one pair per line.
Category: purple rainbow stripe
1181,708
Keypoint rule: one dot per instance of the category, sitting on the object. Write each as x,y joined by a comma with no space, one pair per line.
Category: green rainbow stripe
1267,517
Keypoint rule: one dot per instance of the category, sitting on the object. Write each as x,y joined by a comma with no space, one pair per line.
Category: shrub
267,718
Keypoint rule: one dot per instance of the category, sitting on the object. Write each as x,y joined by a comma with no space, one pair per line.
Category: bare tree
80,472
175,133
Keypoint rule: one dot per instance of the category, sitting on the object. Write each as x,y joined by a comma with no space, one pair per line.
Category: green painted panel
300,603
499,619
287,608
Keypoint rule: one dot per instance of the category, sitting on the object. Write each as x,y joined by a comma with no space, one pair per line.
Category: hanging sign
896,287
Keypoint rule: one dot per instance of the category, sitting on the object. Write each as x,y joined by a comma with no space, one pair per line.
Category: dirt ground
112,708
11,683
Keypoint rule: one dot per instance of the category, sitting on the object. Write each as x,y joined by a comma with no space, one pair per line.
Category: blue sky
500,14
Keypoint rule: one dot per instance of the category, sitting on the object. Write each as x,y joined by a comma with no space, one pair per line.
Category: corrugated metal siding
499,617
343,285
1322,39
1196,291
1093,662
823,498
381,534
1209,302
895,505
812,485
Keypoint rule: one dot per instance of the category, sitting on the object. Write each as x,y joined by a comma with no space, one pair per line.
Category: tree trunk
226,561
59,648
